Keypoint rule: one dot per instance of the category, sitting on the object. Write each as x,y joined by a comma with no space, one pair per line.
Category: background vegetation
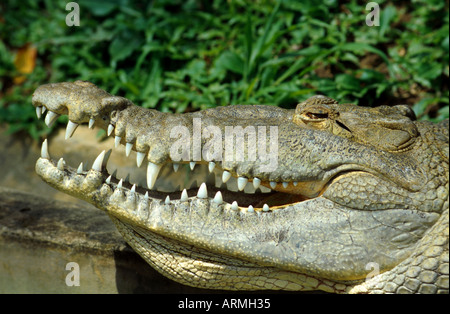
188,55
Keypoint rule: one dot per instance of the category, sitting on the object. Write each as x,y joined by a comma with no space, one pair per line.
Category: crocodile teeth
226,176
234,206
285,184
250,209
202,192
152,174
80,168
184,196
110,129
117,140
99,162
91,123
39,111
175,167
265,208
273,185
50,118
107,155
44,150
256,183
167,201
139,158
61,164
192,165
108,180
218,199
71,127
119,185
241,182
128,148
211,166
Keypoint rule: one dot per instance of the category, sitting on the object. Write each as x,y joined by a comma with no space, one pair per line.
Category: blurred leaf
25,61
123,46
230,61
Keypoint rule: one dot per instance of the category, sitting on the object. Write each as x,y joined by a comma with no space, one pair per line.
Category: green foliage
183,56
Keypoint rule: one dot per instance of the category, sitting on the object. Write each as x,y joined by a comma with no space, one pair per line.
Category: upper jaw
83,102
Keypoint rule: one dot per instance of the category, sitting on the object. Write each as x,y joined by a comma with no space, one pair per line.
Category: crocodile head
343,198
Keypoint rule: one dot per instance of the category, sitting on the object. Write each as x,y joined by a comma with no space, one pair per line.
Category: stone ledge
39,236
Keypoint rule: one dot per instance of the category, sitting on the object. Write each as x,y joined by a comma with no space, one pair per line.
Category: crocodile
342,198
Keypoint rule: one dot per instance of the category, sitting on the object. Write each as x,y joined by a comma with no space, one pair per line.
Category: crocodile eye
316,116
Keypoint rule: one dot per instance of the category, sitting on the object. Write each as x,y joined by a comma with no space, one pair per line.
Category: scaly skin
359,202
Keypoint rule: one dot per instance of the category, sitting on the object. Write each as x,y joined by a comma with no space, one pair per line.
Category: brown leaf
25,61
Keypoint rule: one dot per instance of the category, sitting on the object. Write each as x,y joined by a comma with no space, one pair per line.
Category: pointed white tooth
128,148
61,164
50,118
266,208
98,162
71,127
241,182
44,109
250,209
285,184
39,111
152,174
80,168
117,140
119,185
140,158
146,196
211,166
110,129
218,199
295,183
108,180
175,167
273,185
256,182
234,206
226,176
167,201
184,196
202,192
107,155
44,150
192,165
133,188
91,123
